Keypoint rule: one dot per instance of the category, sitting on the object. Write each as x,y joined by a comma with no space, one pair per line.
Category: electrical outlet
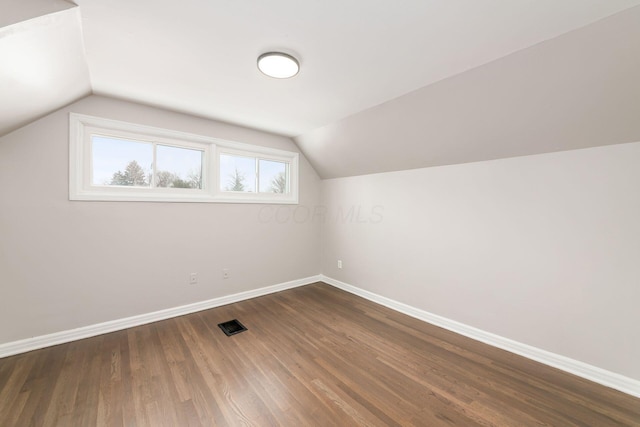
193,278
339,263
225,273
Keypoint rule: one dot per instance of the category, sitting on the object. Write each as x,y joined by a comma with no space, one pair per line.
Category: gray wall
68,264
543,249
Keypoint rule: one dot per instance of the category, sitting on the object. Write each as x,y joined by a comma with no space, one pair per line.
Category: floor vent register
232,327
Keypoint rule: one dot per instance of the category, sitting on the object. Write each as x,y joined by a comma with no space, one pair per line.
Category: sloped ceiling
578,90
14,11
371,70
42,62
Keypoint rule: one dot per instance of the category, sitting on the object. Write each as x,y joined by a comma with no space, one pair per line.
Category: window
124,162
112,160
246,173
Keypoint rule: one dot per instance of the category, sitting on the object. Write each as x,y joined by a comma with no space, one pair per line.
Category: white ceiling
199,56
578,90
14,11
42,62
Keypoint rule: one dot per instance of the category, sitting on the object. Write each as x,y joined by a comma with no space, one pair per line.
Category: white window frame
82,127
232,195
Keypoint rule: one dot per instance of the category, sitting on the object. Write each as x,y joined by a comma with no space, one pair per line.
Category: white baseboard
581,369
29,344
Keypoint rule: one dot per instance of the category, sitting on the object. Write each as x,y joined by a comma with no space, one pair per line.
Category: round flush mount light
278,65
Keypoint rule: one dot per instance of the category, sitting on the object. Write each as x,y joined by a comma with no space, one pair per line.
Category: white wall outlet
193,278
339,263
225,273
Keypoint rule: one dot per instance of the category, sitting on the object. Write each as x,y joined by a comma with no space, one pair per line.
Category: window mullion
257,183
154,166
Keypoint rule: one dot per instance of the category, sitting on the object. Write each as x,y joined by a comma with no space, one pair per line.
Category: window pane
273,177
237,173
178,167
120,161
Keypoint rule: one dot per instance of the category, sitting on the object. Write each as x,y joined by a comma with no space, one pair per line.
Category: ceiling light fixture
278,65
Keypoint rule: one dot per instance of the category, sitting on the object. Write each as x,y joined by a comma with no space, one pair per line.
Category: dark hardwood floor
313,355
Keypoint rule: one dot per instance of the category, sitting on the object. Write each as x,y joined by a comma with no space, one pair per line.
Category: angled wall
577,90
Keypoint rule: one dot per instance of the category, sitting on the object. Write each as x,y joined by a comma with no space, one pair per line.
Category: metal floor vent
232,327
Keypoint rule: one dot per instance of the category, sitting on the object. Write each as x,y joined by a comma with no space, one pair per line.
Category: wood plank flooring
313,356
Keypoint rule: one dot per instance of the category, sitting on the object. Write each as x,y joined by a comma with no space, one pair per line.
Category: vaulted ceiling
384,85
